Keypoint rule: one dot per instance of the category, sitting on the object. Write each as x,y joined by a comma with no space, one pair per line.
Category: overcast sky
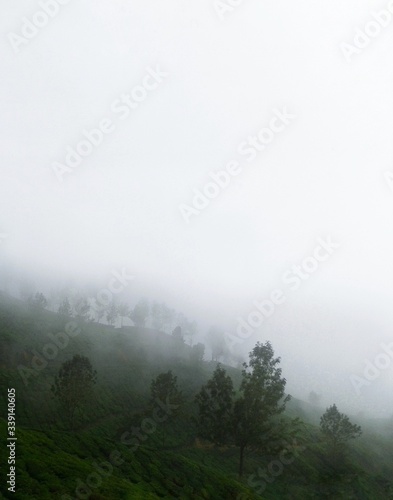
223,78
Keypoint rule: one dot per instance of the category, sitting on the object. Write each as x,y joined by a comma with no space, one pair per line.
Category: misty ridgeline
134,401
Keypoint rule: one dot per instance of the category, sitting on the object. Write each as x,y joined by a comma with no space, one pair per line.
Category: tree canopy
73,386
337,427
215,408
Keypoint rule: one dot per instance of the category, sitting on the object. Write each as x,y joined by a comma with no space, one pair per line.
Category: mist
263,102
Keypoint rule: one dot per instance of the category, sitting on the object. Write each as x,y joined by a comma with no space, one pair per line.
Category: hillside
168,461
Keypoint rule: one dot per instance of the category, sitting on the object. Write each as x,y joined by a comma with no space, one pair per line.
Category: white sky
322,176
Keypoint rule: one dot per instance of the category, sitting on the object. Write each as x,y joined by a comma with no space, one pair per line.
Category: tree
65,308
99,313
156,315
314,398
38,302
178,335
337,428
124,311
238,360
191,331
73,386
263,397
82,308
164,389
54,298
189,328
197,353
162,316
215,408
181,321
216,341
167,316
112,313
140,313
178,343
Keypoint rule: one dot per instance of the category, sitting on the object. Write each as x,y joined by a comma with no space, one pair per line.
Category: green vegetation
138,437
337,427
73,387
215,419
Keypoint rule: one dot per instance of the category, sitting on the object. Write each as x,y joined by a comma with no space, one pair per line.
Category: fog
204,83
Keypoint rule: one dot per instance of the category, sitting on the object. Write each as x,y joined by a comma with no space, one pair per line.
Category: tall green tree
337,428
164,390
73,386
262,398
215,403
164,387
